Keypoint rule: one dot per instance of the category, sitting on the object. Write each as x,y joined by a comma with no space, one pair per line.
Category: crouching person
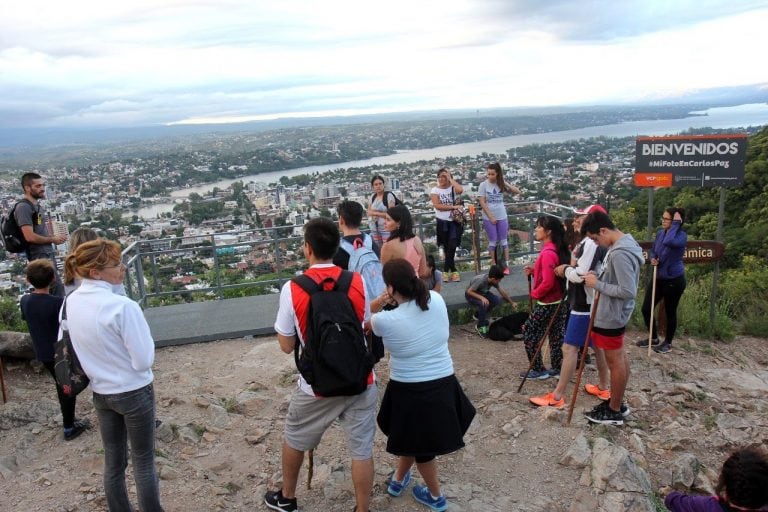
326,293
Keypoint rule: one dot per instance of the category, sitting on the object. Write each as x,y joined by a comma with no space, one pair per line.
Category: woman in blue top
667,256
424,412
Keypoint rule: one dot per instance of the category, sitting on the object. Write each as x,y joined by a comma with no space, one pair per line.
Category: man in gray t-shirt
31,219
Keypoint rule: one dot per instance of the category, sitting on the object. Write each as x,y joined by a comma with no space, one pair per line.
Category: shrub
10,316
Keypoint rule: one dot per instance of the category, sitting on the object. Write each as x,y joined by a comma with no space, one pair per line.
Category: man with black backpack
30,217
320,319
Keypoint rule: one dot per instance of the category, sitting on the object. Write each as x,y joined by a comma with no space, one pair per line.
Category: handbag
458,216
69,374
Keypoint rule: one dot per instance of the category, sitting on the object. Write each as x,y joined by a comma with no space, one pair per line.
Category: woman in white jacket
116,349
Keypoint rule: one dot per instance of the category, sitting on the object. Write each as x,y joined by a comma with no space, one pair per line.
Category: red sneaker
548,400
594,389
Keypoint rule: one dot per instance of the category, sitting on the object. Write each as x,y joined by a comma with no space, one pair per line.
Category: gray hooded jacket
619,276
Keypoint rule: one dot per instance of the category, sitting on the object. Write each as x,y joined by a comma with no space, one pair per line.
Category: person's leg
490,231
502,229
292,460
532,333
556,334
450,254
404,464
428,471
673,292
493,301
618,363
115,442
603,375
138,410
567,369
480,309
362,479
66,404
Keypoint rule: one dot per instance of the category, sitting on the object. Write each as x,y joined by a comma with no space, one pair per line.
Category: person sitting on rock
742,486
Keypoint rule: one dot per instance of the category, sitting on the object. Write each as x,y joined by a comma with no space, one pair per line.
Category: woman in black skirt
424,412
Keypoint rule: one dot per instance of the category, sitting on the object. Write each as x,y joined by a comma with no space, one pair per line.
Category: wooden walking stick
530,299
583,358
653,307
540,344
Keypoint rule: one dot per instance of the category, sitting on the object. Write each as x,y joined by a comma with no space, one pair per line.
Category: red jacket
547,287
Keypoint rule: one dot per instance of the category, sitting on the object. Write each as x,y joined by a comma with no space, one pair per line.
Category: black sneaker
624,409
604,415
276,501
663,348
75,430
643,342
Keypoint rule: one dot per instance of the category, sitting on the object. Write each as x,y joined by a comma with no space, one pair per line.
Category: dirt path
222,405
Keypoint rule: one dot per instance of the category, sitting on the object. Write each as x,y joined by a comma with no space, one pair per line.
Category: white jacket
111,338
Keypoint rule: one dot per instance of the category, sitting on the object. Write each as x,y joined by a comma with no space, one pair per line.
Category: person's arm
386,252
512,189
440,206
137,337
372,212
33,238
504,294
546,281
423,268
472,292
627,280
482,190
285,324
675,237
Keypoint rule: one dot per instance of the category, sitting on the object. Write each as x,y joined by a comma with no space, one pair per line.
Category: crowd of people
362,290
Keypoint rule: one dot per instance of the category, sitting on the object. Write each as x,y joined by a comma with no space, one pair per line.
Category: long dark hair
401,215
557,235
399,274
496,166
432,265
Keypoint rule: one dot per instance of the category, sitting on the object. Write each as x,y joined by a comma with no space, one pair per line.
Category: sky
96,63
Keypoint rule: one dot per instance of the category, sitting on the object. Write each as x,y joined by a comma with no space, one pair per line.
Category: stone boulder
16,344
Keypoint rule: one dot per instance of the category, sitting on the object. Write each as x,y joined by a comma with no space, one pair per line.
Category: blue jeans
123,418
482,311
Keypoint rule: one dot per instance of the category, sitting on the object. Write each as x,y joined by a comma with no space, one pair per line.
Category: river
754,114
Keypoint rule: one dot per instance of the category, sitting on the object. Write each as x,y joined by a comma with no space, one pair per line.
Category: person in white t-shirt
449,233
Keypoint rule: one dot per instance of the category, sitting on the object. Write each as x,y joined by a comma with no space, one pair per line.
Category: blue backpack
364,261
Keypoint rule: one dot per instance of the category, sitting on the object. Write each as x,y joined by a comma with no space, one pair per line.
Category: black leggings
670,290
66,403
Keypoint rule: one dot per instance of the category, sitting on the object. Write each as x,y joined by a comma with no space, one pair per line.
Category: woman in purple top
742,487
667,256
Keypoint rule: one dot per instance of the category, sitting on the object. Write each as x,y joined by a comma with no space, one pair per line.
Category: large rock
16,344
14,414
684,471
613,469
578,454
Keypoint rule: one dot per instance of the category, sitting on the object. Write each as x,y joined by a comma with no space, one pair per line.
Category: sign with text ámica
690,161
696,251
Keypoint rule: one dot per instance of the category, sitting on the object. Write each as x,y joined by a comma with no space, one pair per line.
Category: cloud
145,62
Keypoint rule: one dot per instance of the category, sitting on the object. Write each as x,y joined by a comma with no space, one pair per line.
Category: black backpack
13,238
335,359
388,192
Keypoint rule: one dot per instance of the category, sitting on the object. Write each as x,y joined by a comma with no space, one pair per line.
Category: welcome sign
692,160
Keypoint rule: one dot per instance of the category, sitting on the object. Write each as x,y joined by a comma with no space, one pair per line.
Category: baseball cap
589,209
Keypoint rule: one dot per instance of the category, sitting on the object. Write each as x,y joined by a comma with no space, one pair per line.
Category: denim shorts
309,417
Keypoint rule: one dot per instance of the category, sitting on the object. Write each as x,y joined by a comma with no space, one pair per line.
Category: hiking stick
540,344
583,358
310,468
653,307
2,380
530,299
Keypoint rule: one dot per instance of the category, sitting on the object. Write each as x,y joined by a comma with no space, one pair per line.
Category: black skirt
425,419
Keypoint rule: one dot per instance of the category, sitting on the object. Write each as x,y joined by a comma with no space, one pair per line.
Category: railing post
155,282
276,251
216,270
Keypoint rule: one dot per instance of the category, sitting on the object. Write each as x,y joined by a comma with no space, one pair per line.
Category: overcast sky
139,62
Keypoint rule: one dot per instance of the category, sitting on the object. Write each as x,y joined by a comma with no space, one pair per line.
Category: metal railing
258,261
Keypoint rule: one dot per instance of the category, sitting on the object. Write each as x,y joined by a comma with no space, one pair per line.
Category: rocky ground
222,406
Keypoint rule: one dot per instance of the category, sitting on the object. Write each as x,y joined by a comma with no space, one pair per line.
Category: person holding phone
449,232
